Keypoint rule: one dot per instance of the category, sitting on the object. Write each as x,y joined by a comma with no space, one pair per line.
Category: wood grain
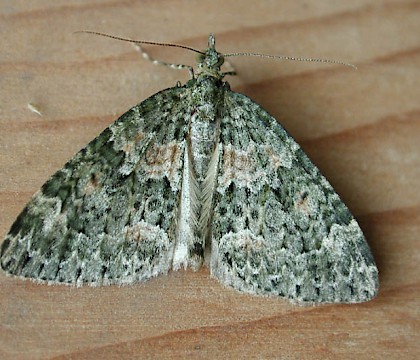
362,128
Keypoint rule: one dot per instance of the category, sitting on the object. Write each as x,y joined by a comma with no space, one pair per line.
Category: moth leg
146,55
232,70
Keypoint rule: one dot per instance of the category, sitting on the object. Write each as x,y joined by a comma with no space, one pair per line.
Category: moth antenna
284,57
139,41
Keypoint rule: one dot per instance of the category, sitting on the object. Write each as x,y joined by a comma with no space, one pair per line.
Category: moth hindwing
195,174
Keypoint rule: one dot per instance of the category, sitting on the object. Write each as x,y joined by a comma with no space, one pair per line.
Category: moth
196,174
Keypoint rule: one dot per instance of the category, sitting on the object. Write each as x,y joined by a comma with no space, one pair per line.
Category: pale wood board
362,128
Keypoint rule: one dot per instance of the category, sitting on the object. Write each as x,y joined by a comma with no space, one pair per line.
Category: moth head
210,60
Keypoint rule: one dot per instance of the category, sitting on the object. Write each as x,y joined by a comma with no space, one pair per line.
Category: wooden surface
362,128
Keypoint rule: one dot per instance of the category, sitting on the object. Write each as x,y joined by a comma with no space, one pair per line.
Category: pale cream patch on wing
240,166
164,160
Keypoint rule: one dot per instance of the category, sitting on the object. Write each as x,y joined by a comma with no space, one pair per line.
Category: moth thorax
204,134
205,124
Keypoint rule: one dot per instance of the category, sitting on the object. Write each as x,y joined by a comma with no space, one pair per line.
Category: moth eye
200,58
220,60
